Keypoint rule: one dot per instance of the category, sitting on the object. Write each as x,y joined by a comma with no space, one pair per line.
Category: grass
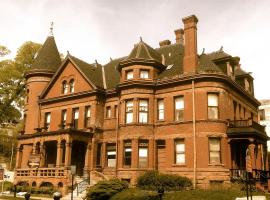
218,194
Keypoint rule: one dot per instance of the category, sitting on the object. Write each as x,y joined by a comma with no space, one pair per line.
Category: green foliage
152,180
103,190
35,190
135,194
12,83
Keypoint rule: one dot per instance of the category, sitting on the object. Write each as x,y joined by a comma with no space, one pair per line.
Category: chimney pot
164,43
179,36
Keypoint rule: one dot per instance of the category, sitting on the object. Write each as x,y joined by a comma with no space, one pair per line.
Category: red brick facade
167,109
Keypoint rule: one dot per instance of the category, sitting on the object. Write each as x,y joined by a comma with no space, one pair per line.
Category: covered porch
248,145
49,155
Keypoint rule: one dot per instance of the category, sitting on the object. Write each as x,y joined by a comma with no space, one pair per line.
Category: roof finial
51,29
221,48
68,53
141,38
203,51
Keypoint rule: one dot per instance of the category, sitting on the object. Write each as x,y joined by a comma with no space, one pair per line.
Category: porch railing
246,123
238,174
261,175
41,172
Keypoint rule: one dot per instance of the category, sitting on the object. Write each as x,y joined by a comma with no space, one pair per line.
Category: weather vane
51,29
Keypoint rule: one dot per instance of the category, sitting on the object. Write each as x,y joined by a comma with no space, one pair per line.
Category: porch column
252,155
92,155
19,156
87,163
59,154
103,155
34,148
42,154
68,153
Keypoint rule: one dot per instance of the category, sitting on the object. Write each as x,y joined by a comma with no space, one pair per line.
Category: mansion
168,109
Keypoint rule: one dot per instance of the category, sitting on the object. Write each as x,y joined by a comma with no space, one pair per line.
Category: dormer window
71,86
64,87
129,75
144,74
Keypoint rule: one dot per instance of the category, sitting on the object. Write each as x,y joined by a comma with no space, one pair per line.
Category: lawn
223,194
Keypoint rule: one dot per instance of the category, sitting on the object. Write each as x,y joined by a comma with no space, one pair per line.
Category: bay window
111,155
127,153
143,111
143,154
129,111
160,109
214,151
212,106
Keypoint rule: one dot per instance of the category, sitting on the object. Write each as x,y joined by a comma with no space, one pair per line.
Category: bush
103,190
152,180
135,194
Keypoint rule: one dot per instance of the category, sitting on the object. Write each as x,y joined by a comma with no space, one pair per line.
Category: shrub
135,194
103,190
152,180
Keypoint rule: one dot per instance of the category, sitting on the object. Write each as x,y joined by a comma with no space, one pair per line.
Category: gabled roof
48,58
91,72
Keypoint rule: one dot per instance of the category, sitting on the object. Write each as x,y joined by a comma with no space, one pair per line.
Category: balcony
246,128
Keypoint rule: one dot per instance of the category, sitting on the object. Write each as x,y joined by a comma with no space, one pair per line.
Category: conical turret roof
144,51
48,58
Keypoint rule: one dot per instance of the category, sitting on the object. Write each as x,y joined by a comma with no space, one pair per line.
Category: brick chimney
179,36
190,57
164,43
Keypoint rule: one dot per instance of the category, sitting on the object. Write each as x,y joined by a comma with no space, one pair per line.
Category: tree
12,82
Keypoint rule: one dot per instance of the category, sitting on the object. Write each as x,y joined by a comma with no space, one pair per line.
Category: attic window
71,86
64,87
169,67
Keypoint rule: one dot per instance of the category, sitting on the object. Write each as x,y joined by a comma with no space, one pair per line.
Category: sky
103,29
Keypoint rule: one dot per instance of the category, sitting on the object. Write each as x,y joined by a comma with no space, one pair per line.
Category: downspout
117,135
194,136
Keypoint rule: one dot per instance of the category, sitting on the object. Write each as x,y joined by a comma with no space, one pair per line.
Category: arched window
64,87
71,86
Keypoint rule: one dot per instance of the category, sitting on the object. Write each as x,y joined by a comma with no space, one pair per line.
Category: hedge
135,194
153,180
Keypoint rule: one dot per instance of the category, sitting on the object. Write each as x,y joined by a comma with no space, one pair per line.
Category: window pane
144,74
76,114
180,147
179,103
129,118
161,114
180,158
129,75
179,115
214,157
214,145
143,117
212,100
212,112
88,112
143,152
48,117
160,104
